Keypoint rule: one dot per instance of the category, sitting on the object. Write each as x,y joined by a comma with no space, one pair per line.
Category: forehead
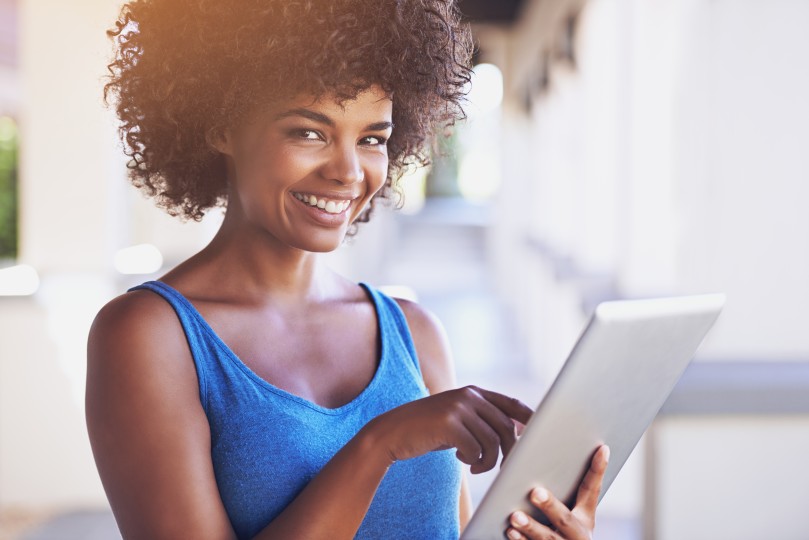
371,103
370,100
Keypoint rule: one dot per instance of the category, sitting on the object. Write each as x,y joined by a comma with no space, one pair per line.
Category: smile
328,205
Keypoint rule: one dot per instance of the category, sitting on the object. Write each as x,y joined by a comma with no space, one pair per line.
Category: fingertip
519,519
605,452
540,495
526,414
514,534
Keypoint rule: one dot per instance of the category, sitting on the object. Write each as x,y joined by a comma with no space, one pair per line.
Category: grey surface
78,525
721,387
100,525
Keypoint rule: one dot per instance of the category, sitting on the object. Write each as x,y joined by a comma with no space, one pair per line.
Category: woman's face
303,170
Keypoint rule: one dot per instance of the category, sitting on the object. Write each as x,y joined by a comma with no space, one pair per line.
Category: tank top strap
393,325
199,340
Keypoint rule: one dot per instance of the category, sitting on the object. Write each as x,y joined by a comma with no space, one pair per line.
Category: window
8,188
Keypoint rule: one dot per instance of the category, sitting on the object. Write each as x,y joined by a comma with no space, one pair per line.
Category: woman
251,392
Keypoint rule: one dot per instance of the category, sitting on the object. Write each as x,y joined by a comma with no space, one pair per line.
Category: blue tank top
267,444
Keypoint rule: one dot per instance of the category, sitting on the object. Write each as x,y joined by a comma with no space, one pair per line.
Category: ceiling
491,11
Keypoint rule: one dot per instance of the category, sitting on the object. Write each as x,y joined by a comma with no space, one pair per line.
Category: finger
590,487
513,407
468,448
523,526
500,423
489,443
514,534
565,521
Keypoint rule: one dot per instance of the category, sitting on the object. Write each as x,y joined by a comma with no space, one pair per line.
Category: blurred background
614,149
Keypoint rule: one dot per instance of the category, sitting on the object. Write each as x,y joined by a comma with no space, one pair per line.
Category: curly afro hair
186,70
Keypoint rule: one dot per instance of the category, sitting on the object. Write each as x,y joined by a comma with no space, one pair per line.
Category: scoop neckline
234,358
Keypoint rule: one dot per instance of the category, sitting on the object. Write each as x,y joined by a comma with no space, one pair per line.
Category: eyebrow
323,119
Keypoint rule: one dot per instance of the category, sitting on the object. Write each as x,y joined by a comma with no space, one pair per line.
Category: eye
308,134
375,140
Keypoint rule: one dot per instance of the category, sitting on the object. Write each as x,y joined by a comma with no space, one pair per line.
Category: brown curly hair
185,70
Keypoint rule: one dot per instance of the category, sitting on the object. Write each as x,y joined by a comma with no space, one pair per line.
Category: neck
245,261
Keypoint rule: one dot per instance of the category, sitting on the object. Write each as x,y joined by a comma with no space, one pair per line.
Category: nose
344,165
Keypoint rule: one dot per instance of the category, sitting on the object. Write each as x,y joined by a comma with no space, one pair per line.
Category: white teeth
332,207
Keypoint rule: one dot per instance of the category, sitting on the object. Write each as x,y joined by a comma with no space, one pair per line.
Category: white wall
718,477
66,160
671,159
742,131
76,211
9,90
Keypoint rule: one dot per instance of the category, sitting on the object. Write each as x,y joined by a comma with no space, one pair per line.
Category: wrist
371,441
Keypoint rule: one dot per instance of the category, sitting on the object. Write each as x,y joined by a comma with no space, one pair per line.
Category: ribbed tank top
267,444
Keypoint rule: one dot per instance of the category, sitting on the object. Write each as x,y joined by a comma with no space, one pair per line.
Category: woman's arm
151,438
149,433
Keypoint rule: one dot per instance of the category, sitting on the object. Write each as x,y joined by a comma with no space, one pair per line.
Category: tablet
613,383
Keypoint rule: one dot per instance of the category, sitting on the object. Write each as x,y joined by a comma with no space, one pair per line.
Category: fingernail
607,454
540,495
514,534
519,519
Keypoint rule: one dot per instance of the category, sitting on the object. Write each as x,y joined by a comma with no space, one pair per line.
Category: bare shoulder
139,334
137,346
432,346
131,317
147,427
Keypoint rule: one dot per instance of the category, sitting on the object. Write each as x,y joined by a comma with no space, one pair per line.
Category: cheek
380,173
268,171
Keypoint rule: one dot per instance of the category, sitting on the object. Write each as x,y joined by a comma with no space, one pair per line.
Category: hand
477,422
576,524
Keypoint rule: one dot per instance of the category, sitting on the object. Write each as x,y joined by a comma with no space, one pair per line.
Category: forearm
334,503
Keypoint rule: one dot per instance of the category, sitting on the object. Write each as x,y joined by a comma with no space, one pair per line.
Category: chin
322,243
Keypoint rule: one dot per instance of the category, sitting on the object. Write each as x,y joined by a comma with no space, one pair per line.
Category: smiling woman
251,392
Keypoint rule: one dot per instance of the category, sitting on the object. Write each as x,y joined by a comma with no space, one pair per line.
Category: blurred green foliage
8,188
